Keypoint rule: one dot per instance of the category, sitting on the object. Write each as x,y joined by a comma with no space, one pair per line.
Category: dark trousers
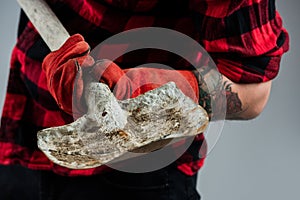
18,183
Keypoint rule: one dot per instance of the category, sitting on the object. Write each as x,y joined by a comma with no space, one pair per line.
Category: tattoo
205,101
234,104
211,93
212,100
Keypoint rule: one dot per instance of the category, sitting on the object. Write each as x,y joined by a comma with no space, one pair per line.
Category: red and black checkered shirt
245,38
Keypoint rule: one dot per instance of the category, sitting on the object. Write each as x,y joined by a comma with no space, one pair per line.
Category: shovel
112,127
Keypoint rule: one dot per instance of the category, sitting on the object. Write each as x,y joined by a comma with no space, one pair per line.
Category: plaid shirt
244,37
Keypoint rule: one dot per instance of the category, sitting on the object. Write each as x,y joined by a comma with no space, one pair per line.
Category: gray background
257,159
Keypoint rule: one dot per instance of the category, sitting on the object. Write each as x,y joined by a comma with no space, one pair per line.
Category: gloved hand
64,72
132,82
63,69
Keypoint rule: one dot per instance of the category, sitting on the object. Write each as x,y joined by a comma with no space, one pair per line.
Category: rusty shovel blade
111,127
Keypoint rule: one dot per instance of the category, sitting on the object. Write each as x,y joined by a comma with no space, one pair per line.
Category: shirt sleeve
246,44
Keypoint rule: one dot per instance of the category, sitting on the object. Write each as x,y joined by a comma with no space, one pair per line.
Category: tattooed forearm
218,96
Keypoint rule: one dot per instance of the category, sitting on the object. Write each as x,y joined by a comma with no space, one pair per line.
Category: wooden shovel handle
45,21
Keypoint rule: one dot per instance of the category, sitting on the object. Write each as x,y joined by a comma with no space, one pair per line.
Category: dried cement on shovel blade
111,127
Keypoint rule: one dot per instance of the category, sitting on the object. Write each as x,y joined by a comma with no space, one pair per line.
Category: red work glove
63,69
132,82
